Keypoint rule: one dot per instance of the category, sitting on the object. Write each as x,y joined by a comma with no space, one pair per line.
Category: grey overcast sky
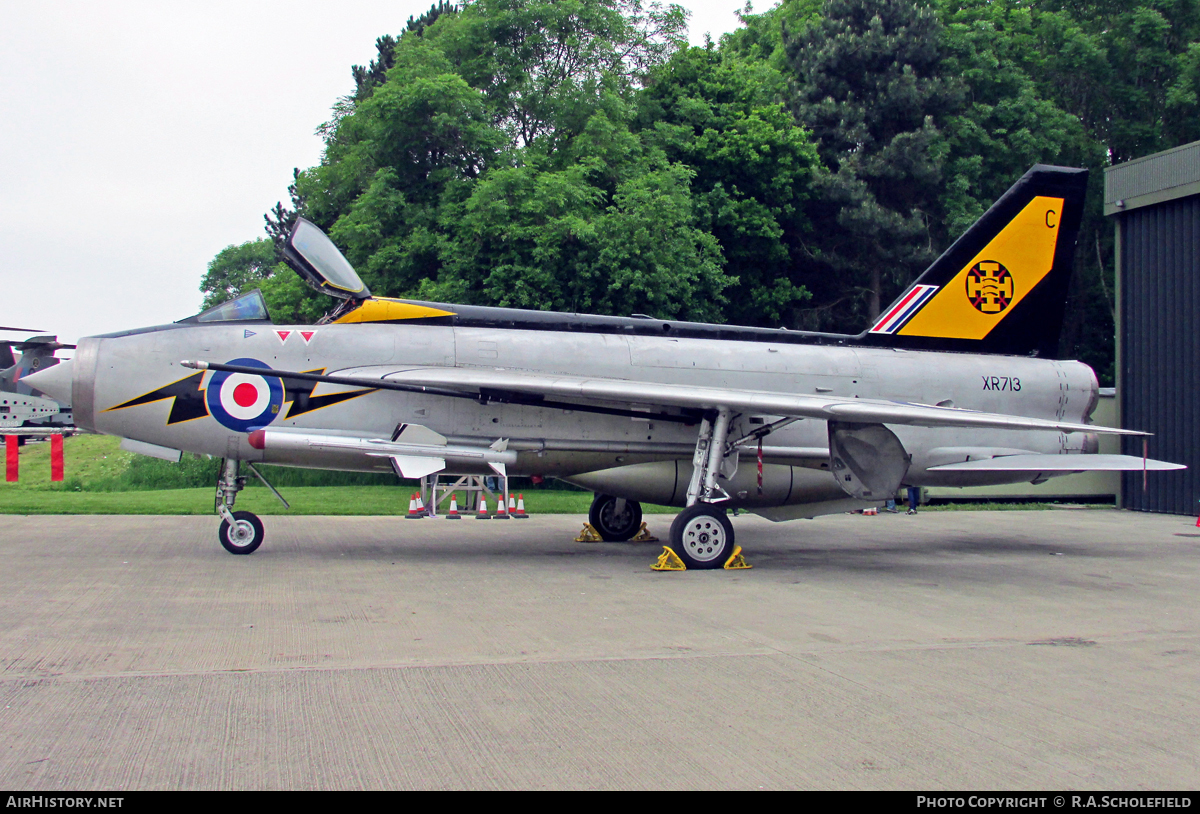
138,139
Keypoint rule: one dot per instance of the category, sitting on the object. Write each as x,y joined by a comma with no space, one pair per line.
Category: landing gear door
868,460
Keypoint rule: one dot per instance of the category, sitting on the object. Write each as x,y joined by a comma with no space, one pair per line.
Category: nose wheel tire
702,536
614,526
244,536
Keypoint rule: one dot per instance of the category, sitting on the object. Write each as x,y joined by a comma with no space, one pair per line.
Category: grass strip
323,500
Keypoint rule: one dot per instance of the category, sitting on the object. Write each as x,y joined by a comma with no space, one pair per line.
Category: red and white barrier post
12,462
56,457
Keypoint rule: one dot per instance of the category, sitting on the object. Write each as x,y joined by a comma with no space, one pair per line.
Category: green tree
1125,67
495,164
366,79
236,269
1005,125
762,35
542,65
416,145
721,115
868,84
1085,83
614,231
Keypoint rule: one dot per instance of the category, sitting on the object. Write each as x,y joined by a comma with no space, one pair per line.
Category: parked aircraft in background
23,406
950,387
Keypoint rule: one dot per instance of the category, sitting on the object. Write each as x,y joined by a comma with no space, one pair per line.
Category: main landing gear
240,532
616,519
701,534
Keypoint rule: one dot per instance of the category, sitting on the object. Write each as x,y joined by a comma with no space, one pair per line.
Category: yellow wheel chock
736,561
668,560
644,535
589,535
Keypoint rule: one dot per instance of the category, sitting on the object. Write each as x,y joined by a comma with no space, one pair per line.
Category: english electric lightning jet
950,387
21,405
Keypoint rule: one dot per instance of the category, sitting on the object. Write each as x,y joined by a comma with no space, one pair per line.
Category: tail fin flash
1002,286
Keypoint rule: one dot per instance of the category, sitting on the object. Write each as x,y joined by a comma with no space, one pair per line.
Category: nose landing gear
240,532
244,535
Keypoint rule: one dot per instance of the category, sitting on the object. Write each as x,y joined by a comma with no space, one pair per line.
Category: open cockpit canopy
315,258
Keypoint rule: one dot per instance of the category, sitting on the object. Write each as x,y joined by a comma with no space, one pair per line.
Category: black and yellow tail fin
1002,286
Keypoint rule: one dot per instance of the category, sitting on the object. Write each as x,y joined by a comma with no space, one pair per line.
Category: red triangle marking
283,335
308,335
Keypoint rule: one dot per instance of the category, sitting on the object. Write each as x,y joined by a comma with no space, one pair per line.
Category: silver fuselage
643,459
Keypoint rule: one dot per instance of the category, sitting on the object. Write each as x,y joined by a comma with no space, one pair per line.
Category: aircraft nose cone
55,381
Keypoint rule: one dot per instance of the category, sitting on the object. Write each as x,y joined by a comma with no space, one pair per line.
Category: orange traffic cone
413,512
453,513
482,514
501,512
519,514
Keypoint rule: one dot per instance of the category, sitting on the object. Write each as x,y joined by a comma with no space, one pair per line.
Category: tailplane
1002,286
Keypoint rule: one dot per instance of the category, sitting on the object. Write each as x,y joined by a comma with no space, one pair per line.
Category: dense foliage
576,155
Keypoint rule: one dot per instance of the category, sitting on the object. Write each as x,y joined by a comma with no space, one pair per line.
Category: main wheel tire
702,536
615,527
245,537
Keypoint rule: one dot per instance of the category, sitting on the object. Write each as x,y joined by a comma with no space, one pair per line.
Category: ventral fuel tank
666,483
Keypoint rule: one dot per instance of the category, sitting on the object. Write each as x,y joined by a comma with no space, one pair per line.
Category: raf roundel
244,402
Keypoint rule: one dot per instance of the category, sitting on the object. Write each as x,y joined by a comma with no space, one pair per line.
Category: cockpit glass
324,257
249,306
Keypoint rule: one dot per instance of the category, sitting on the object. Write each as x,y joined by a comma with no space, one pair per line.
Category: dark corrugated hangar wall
1160,350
